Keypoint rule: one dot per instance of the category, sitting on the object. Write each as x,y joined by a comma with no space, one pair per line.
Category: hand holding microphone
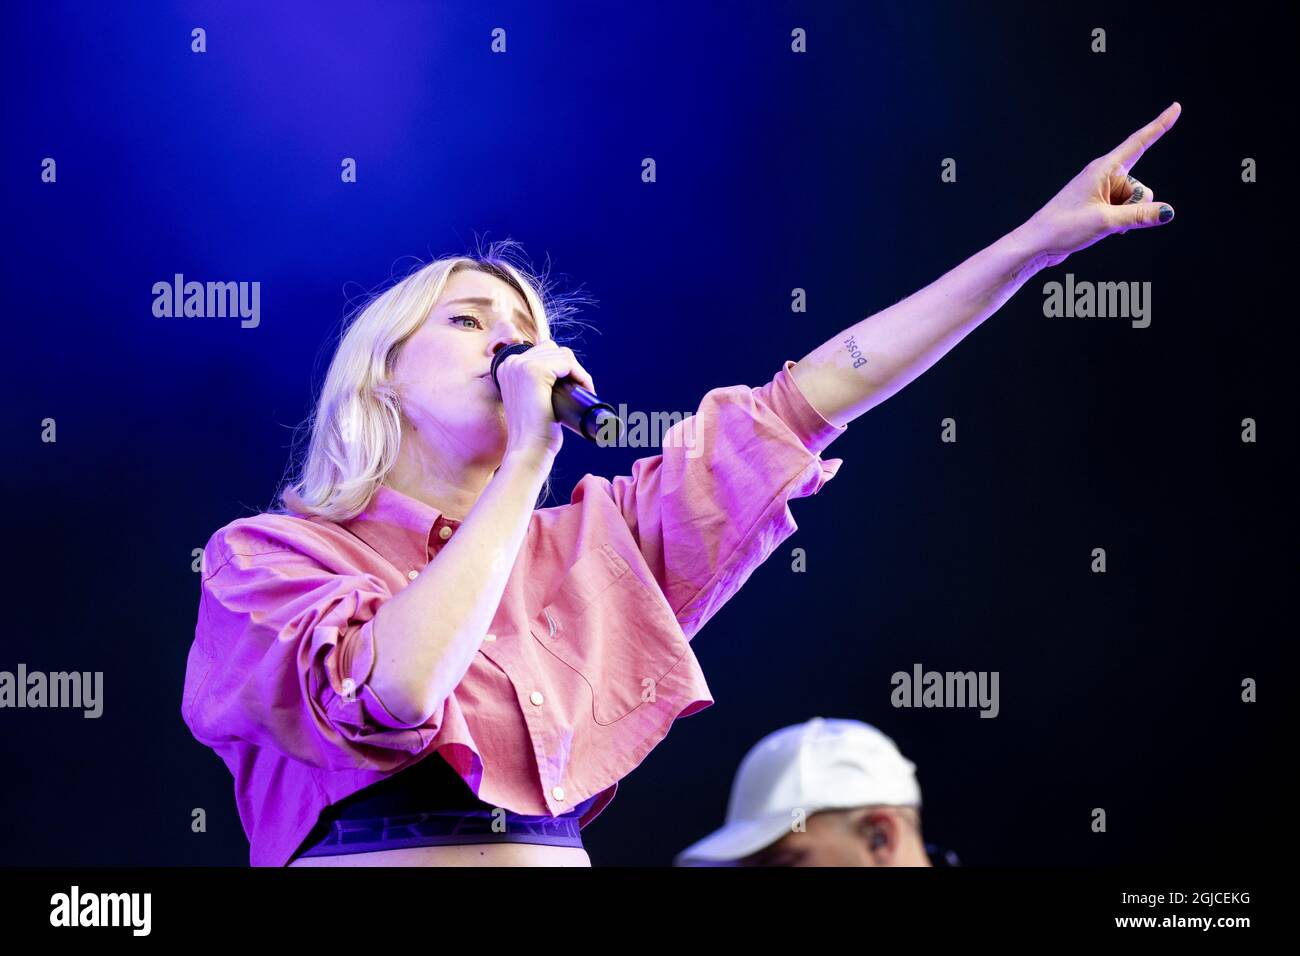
535,376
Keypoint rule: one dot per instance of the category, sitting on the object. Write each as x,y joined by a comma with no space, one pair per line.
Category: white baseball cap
819,765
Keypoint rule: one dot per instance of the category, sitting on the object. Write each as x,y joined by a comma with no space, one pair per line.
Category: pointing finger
1127,153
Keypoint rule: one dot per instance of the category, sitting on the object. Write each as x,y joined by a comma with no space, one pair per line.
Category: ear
880,831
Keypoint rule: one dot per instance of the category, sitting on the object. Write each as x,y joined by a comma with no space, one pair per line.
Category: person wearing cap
821,793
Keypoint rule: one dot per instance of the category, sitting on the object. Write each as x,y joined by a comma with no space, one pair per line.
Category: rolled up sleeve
282,658
715,503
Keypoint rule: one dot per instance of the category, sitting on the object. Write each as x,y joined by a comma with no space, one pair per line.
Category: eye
471,318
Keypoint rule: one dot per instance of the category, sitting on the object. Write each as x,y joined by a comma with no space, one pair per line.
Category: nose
508,335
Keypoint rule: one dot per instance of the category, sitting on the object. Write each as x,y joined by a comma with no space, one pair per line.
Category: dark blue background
775,171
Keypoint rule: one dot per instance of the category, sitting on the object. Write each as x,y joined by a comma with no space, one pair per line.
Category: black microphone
575,407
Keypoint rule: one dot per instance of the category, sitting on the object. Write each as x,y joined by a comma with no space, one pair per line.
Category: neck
912,853
446,481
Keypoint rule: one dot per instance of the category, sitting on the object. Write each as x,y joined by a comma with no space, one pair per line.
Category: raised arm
868,362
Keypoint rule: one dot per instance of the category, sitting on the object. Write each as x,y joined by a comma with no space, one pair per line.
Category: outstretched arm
870,361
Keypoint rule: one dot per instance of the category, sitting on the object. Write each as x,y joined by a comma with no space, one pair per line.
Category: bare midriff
469,854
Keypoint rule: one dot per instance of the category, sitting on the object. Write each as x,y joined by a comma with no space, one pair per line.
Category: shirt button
536,697
489,637
412,574
557,793
444,532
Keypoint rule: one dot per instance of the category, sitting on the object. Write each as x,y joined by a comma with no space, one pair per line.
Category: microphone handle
575,407
579,410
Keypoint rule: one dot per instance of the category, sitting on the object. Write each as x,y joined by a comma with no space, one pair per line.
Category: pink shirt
587,662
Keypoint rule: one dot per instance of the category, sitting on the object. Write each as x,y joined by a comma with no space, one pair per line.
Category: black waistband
429,803
442,829
424,787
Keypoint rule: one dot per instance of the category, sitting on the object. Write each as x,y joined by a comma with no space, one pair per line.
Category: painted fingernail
1166,213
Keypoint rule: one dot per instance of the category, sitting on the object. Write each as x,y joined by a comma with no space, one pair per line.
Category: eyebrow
483,300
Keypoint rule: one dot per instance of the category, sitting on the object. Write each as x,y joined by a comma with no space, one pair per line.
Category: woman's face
443,370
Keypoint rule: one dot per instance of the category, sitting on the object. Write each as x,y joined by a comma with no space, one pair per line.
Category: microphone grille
504,354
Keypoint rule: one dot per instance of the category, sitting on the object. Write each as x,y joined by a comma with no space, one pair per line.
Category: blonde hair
356,426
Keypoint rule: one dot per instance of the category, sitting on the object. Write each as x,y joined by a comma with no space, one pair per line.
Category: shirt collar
401,528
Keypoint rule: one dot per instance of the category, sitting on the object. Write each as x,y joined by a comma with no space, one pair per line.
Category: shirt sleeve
715,503
282,656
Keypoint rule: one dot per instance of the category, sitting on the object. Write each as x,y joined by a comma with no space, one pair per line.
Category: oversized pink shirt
586,664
